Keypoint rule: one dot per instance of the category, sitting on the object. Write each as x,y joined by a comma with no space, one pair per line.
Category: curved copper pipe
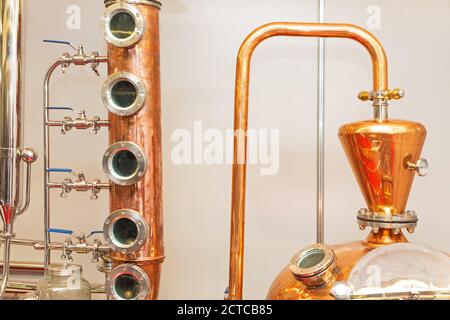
300,29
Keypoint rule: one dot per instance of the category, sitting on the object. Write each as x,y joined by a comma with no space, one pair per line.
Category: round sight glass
127,287
125,163
124,94
122,25
125,231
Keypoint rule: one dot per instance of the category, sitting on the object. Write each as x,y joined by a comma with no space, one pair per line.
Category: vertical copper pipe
380,82
144,129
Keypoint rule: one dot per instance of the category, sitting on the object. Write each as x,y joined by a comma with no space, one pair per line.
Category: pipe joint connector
380,100
395,94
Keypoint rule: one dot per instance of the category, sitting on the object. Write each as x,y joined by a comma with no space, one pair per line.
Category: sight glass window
311,258
122,25
125,163
127,287
125,231
124,94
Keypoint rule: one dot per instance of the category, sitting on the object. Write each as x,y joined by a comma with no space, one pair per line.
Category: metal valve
82,122
66,251
80,184
79,58
81,246
421,167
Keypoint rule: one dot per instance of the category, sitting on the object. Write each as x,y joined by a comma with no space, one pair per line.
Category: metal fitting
153,3
123,25
29,155
314,265
112,94
79,185
125,163
82,122
127,282
421,167
81,59
378,221
395,94
125,231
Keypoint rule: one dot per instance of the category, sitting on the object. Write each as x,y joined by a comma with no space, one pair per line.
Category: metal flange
117,13
377,221
127,282
153,3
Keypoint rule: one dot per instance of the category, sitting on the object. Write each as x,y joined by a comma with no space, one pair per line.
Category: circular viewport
125,231
125,163
127,287
124,94
311,258
122,25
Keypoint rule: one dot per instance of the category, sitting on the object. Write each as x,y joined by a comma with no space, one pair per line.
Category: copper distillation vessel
384,155
132,94
132,249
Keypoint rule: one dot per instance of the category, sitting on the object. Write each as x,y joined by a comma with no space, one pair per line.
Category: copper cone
379,153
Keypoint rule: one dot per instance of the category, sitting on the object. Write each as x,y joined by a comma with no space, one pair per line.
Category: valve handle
61,231
94,232
395,94
60,108
60,170
59,42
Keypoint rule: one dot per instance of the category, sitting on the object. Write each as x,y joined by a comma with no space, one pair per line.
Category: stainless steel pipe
10,103
10,123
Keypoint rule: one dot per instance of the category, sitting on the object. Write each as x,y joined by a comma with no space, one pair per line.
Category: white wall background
199,42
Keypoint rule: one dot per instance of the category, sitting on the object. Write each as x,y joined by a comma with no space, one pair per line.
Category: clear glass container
64,282
399,271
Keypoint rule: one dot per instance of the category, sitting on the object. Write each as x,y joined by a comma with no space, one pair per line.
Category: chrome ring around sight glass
125,231
120,155
138,25
127,282
313,265
110,99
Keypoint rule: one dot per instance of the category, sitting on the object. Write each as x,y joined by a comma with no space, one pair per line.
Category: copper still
132,250
133,162
384,155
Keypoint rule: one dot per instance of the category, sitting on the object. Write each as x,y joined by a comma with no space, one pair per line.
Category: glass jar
64,282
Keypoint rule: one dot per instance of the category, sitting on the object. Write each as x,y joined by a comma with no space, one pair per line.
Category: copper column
143,129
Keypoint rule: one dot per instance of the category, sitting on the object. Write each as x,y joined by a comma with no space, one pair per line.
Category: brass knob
364,96
395,94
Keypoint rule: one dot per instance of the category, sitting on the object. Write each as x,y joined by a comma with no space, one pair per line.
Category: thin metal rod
47,238
8,234
321,133
28,191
